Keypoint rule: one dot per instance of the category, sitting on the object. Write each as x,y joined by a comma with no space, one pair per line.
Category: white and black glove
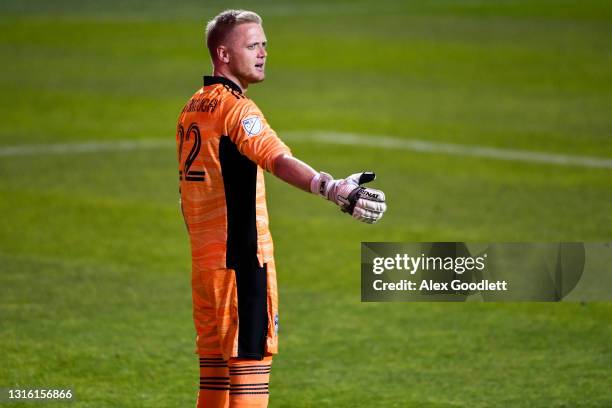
364,204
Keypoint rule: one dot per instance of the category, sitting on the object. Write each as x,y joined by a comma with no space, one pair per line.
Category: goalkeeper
224,144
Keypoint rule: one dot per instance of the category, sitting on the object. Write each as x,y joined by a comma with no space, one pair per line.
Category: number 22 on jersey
192,134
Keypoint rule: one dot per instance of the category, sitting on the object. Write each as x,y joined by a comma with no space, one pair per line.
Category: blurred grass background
94,257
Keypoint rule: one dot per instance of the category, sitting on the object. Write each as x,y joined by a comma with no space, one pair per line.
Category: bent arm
294,171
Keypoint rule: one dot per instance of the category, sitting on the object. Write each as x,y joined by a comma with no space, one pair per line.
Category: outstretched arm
294,171
364,204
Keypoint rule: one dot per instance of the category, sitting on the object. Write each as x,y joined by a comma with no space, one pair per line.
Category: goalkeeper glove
364,204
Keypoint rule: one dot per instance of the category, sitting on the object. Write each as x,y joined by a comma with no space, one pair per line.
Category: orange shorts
236,311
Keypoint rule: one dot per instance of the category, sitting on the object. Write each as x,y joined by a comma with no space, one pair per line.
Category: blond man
224,144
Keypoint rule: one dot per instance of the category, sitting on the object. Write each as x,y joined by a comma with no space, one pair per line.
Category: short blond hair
222,25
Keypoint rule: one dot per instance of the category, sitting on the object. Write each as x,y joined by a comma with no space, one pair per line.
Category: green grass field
94,257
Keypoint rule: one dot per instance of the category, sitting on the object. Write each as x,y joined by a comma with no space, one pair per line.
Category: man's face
247,53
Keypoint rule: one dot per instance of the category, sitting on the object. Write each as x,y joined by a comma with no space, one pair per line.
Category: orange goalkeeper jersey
223,144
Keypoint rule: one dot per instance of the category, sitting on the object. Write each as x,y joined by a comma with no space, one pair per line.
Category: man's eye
251,47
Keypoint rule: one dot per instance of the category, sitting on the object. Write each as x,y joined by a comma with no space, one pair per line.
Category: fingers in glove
370,205
364,215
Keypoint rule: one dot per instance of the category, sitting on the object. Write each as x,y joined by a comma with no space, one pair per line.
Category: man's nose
262,52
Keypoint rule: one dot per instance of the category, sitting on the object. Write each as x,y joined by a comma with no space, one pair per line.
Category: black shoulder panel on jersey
240,183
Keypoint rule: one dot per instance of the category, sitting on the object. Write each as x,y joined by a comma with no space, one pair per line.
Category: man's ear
223,54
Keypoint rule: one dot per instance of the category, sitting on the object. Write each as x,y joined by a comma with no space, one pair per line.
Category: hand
364,204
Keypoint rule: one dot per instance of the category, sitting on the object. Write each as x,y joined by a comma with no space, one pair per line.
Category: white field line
350,139
415,145
84,147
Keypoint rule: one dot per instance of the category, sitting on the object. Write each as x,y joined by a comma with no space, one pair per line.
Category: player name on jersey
201,105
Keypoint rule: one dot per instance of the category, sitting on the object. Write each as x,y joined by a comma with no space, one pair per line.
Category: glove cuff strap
321,184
